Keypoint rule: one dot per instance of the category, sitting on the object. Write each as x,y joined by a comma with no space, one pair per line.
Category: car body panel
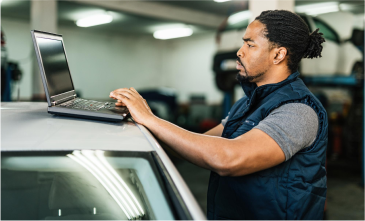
175,175
330,53
348,56
342,22
338,57
27,126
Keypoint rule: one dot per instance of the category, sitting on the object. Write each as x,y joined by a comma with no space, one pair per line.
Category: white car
61,168
340,57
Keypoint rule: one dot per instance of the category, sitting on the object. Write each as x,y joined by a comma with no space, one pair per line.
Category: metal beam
161,11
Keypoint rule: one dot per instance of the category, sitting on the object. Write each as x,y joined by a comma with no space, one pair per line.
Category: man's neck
274,76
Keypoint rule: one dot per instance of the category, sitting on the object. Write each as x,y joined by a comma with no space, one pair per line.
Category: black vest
294,189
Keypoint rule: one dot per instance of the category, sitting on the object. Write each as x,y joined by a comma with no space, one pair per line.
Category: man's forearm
191,146
216,131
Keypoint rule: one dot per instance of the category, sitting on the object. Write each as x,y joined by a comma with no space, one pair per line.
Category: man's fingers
134,90
121,90
122,98
126,94
120,104
110,95
128,90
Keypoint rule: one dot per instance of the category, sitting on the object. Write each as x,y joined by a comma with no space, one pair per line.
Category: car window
328,32
87,184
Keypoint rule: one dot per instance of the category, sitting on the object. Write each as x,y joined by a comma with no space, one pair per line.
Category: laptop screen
55,66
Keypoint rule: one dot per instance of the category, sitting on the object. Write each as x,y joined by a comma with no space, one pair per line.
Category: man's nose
240,53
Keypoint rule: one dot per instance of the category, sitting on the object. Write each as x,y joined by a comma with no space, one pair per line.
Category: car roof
27,126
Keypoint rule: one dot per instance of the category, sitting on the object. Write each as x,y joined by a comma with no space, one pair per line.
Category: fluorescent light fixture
238,17
95,162
100,155
94,20
89,154
172,33
347,7
318,8
83,161
222,1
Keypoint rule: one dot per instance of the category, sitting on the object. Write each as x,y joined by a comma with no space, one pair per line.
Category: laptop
58,84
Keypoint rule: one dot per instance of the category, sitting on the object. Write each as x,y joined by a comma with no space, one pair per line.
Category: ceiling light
347,7
172,33
318,8
94,20
222,1
238,17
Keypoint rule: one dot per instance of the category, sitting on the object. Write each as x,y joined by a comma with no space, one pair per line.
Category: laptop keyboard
83,104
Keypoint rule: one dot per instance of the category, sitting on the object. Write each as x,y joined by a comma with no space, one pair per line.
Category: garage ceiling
224,8
136,23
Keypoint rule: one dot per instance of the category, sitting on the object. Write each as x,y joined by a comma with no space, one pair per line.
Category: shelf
342,81
333,80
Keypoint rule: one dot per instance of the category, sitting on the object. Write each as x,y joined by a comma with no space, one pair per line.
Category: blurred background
180,55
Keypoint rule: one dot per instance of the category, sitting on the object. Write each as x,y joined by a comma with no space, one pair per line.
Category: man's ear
280,54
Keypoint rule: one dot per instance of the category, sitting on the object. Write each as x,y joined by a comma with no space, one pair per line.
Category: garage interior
187,80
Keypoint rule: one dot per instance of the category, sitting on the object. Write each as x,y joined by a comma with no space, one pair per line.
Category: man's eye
249,45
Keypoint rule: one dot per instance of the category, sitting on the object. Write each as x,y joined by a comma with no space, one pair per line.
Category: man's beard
248,78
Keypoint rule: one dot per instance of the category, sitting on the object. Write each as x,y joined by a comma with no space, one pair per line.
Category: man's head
274,43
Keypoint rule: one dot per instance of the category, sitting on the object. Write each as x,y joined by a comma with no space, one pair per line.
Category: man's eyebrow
248,39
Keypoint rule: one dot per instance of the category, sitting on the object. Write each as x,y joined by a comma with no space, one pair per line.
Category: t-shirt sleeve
293,126
224,121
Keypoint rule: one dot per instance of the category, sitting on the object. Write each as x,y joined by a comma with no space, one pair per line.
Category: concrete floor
345,200
345,195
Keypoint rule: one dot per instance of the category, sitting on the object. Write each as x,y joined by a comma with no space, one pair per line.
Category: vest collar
253,92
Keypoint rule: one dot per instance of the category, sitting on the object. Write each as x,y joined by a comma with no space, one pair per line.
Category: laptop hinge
54,103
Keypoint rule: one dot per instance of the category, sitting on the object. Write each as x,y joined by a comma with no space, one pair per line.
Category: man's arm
251,152
216,131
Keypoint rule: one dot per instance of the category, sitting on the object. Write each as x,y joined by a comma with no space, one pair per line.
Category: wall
101,62
187,67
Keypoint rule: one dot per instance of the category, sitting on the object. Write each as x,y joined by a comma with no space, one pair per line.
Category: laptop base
114,117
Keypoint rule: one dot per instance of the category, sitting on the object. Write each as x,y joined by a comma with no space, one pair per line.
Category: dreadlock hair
287,29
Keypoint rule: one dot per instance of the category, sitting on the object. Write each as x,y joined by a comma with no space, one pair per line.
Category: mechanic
268,156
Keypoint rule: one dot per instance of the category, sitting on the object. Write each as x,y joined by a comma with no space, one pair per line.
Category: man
268,156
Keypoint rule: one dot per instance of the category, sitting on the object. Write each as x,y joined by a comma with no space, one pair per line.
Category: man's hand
137,106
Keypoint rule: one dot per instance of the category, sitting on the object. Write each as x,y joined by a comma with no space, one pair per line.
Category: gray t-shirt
293,126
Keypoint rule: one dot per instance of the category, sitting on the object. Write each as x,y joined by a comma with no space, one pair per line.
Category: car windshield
87,184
